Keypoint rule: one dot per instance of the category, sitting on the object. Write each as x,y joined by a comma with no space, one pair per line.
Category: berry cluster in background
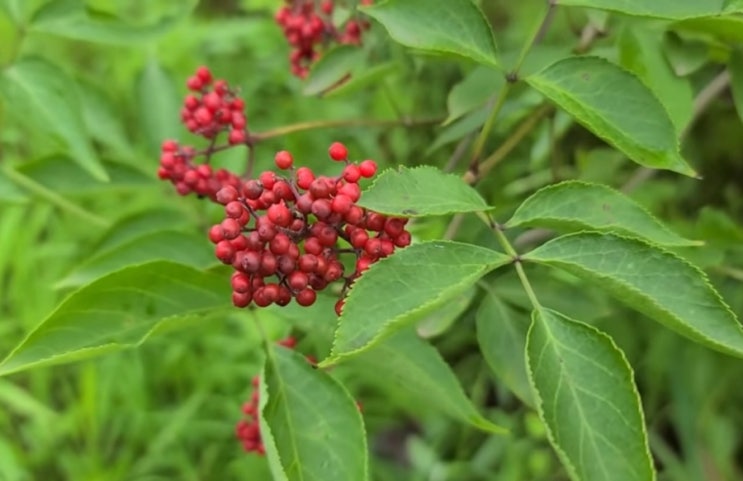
287,235
309,27
248,429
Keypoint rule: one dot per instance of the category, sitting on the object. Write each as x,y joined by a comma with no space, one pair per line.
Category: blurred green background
112,81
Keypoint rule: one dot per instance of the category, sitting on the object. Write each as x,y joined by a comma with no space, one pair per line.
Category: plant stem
508,145
325,124
480,142
511,78
503,240
537,36
53,198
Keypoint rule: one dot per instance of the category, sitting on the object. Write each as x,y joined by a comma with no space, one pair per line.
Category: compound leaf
118,311
453,27
402,288
316,426
421,191
651,280
616,106
577,205
587,399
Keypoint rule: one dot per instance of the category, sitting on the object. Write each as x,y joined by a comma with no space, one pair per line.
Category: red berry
338,151
194,83
268,179
280,215
341,204
352,173
297,280
319,188
279,245
236,137
368,168
403,240
204,74
224,251
307,263
252,189
322,208
359,237
304,177
306,297
375,221
283,160
241,299
226,195
234,209
313,246
231,228
216,234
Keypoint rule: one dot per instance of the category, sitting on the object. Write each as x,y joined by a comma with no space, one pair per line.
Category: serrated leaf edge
483,59
334,356
702,276
617,228
567,463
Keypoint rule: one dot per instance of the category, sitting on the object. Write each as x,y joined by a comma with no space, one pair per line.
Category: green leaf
736,80
576,205
51,104
10,193
315,424
60,174
671,9
404,287
454,27
103,120
362,78
72,19
688,55
473,91
159,104
409,365
651,280
587,398
139,224
333,69
417,192
439,321
501,334
186,249
613,104
119,311
641,52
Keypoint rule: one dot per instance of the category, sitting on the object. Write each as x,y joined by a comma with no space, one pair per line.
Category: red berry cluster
248,429
308,24
213,108
281,234
176,165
